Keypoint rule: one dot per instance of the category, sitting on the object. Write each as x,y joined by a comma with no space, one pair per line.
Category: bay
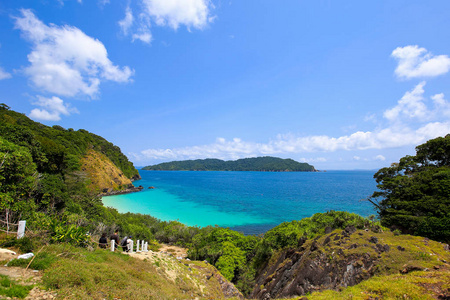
250,202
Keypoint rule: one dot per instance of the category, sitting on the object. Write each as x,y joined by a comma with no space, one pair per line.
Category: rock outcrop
343,258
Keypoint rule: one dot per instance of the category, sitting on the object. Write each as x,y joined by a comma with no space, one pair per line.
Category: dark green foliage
228,250
24,244
51,146
17,180
265,163
415,192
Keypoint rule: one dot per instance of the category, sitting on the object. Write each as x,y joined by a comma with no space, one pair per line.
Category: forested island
264,164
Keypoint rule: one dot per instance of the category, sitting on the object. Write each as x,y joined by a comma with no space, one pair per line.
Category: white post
131,246
142,246
137,246
21,230
112,245
146,246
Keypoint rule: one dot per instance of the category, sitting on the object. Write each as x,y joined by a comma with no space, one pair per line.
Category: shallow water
251,202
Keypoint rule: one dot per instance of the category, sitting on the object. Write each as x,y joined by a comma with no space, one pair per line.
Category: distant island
266,164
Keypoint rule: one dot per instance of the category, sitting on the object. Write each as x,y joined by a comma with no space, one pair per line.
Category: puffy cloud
418,62
65,61
4,74
411,105
52,109
171,13
191,13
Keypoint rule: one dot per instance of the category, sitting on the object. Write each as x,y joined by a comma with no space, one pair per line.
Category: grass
10,288
42,261
420,285
80,274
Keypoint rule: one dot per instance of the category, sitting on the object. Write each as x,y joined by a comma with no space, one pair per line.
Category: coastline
121,192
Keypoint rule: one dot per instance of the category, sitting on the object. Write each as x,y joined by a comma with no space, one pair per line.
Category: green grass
10,288
42,261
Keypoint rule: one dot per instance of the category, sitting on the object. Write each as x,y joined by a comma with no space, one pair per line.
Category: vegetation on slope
419,285
55,149
266,163
77,273
344,258
103,174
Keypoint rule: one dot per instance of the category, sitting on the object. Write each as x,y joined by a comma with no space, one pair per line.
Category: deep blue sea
250,202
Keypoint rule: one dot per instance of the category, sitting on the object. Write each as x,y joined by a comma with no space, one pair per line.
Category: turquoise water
251,202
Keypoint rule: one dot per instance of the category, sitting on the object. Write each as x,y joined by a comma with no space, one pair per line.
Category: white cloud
172,13
52,109
441,105
291,144
65,61
411,105
356,158
143,32
4,74
418,62
126,23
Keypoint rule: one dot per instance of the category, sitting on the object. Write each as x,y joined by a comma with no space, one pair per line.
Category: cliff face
104,175
345,258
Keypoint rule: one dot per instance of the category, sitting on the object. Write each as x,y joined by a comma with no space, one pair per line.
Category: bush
24,244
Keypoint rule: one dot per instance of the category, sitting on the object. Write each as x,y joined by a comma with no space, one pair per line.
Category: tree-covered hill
266,163
43,170
55,149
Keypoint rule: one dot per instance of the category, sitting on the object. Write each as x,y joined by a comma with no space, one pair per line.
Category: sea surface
250,202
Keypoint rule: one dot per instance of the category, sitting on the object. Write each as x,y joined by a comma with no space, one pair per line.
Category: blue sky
338,84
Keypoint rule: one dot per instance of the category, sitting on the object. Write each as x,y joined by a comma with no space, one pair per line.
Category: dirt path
174,250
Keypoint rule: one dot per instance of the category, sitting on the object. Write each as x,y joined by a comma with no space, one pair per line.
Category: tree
414,194
17,180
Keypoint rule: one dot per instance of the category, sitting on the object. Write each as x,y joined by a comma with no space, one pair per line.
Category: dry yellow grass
102,172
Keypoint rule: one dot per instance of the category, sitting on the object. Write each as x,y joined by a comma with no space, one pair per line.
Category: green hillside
266,163
55,149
